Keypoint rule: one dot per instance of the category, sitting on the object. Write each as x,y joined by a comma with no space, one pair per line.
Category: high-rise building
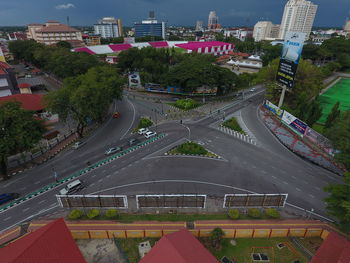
108,27
52,32
199,26
213,21
347,26
265,30
150,27
298,16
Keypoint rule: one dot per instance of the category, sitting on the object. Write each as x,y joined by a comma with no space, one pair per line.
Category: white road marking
319,189
294,177
92,184
93,176
285,182
100,180
37,182
108,176
116,172
264,172
274,177
311,196
42,202
298,189
133,118
104,171
23,188
7,218
25,209
114,166
305,182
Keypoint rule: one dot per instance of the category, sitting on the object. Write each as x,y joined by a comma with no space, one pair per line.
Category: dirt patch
100,251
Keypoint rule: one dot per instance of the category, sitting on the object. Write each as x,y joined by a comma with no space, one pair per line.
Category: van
72,188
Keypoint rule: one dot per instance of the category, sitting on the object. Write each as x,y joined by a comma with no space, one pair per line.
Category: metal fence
72,201
255,200
171,201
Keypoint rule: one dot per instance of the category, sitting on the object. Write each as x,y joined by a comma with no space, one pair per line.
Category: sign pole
283,93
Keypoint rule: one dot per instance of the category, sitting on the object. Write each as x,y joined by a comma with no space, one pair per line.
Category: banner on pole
294,123
291,52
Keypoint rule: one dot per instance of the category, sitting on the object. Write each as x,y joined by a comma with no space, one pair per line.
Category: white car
253,89
142,131
78,145
72,187
150,134
113,150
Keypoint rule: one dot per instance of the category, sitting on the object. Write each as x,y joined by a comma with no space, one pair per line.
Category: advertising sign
296,124
273,108
291,52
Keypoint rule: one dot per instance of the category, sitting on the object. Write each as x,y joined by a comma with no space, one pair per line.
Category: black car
4,198
133,142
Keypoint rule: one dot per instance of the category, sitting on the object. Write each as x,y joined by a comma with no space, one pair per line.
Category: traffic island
233,124
192,149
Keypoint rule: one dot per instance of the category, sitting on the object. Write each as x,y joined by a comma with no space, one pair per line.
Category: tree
233,213
87,97
333,115
339,135
64,44
19,132
314,112
216,237
338,202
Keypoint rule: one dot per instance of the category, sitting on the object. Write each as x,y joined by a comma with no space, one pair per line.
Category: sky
175,12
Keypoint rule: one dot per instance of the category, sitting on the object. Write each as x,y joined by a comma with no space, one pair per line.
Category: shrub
111,213
254,213
233,213
75,214
186,104
233,125
144,123
272,213
93,213
191,148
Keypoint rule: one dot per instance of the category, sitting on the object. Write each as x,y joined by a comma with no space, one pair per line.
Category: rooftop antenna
68,20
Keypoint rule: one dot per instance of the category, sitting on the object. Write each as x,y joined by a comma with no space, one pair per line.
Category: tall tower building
150,27
108,27
213,20
199,26
298,16
347,26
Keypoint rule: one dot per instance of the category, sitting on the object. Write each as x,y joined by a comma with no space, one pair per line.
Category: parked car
134,81
150,134
113,150
252,89
142,131
78,145
133,142
116,115
4,198
72,188
133,76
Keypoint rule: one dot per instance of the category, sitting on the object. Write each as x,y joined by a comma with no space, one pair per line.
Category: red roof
52,243
24,85
33,102
57,28
179,247
335,249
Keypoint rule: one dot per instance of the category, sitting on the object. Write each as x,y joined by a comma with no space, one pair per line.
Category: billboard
294,123
273,108
291,52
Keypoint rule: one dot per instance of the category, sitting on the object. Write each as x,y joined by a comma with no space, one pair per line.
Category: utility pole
280,103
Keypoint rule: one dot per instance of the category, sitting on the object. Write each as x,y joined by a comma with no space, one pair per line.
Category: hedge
93,213
75,214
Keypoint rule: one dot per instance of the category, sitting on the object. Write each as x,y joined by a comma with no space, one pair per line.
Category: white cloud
64,6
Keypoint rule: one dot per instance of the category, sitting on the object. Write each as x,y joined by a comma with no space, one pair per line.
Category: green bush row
255,213
233,125
191,148
144,123
92,213
186,104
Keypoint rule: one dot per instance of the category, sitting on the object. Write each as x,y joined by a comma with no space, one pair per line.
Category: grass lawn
233,125
191,148
245,246
129,246
338,92
318,127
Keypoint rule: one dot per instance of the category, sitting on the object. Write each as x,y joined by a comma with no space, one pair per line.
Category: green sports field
339,92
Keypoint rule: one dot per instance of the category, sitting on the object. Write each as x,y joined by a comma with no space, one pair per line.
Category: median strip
81,172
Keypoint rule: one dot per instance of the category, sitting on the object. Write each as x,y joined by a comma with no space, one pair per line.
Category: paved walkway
296,144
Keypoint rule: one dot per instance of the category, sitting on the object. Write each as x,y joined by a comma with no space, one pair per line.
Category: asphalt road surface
244,168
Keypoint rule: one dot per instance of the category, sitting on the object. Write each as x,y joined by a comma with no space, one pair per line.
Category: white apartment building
298,16
265,30
108,27
347,26
52,32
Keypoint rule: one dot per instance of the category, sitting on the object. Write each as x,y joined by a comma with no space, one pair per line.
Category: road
244,168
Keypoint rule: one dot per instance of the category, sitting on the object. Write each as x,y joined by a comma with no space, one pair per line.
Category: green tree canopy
64,44
338,202
19,132
333,115
88,96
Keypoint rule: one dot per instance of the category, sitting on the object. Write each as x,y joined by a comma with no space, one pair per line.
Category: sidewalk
294,143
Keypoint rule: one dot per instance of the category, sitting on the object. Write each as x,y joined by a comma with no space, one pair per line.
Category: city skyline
21,12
